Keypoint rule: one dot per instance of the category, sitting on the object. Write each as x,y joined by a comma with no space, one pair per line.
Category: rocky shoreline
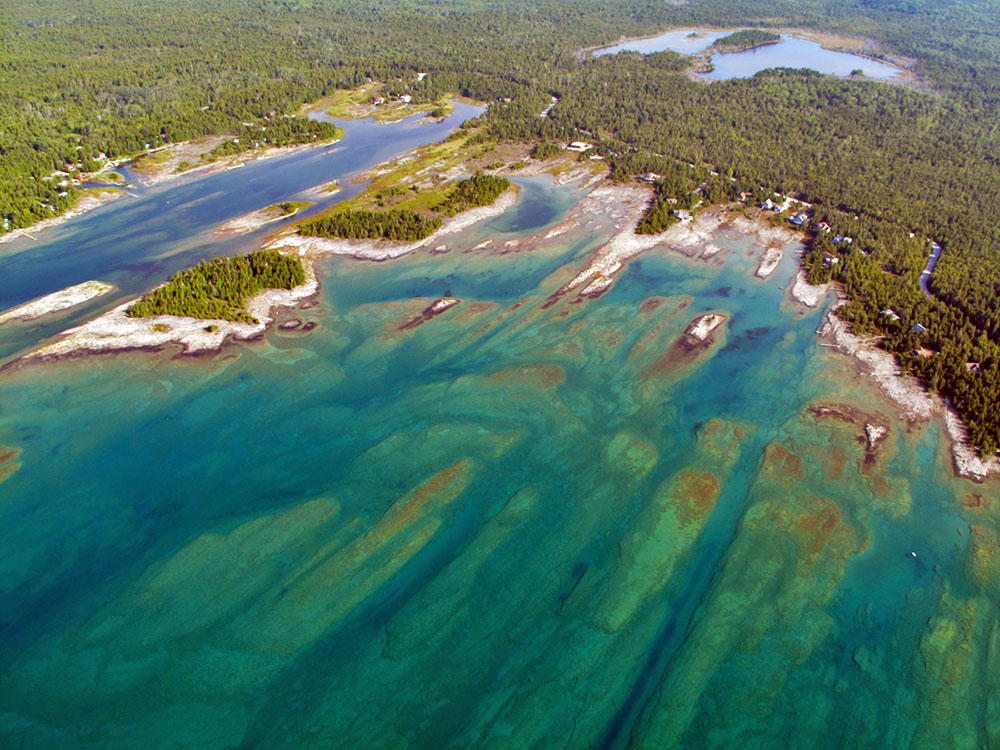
916,403
115,331
57,301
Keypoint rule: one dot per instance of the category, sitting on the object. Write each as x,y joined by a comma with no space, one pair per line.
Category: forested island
397,225
218,289
121,79
741,41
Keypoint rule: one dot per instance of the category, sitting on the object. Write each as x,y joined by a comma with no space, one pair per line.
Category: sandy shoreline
87,202
57,301
115,331
380,250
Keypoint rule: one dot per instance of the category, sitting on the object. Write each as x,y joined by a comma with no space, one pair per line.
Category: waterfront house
829,259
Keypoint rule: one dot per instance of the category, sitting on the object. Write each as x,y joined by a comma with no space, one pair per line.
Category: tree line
218,289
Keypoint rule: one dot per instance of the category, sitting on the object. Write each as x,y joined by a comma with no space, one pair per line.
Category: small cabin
829,259
890,314
917,328
824,227
579,146
649,177
799,220
842,240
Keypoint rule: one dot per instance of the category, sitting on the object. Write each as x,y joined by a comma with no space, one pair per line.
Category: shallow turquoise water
498,529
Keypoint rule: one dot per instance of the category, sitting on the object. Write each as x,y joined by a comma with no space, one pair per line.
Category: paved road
931,262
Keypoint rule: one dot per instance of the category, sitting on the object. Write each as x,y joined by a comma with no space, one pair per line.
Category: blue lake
791,52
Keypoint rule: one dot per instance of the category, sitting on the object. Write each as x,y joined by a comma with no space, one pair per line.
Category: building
824,227
917,328
890,314
799,220
650,177
579,146
842,240
406,98
682,215
829,259
769,205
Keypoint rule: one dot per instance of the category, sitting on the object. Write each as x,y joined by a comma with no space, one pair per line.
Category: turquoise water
791,52
516,525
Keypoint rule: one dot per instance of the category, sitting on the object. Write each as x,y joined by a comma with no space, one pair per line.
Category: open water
790,52
512,526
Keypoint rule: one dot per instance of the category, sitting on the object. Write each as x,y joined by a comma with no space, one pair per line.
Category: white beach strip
383,249
808,294
116,331
769,261
905,390
86,202
61,300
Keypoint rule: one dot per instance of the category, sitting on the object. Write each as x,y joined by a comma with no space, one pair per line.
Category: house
972,367
406,98
799,219
769,205
842,240
649,177
682,215
824,227
890,314
829,259
421,76
917,328
376,100
579,146
506,99
744,197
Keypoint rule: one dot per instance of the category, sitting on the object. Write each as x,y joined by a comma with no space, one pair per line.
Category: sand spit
61,300
380,250
115,331
808,294
769,261
625,205
87,202
915,401
187,151
253,221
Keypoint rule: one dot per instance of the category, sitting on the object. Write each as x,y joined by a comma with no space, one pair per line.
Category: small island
405,215
742,41
218,289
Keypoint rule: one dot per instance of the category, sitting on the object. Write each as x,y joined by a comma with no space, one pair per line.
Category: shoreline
115,332
916,402
381,250
86,202
57,301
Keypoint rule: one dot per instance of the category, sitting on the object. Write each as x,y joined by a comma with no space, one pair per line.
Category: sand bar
61,300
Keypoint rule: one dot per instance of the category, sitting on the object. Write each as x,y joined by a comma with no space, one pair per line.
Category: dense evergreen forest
218,289
744,40
109,76
397,225
478,190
